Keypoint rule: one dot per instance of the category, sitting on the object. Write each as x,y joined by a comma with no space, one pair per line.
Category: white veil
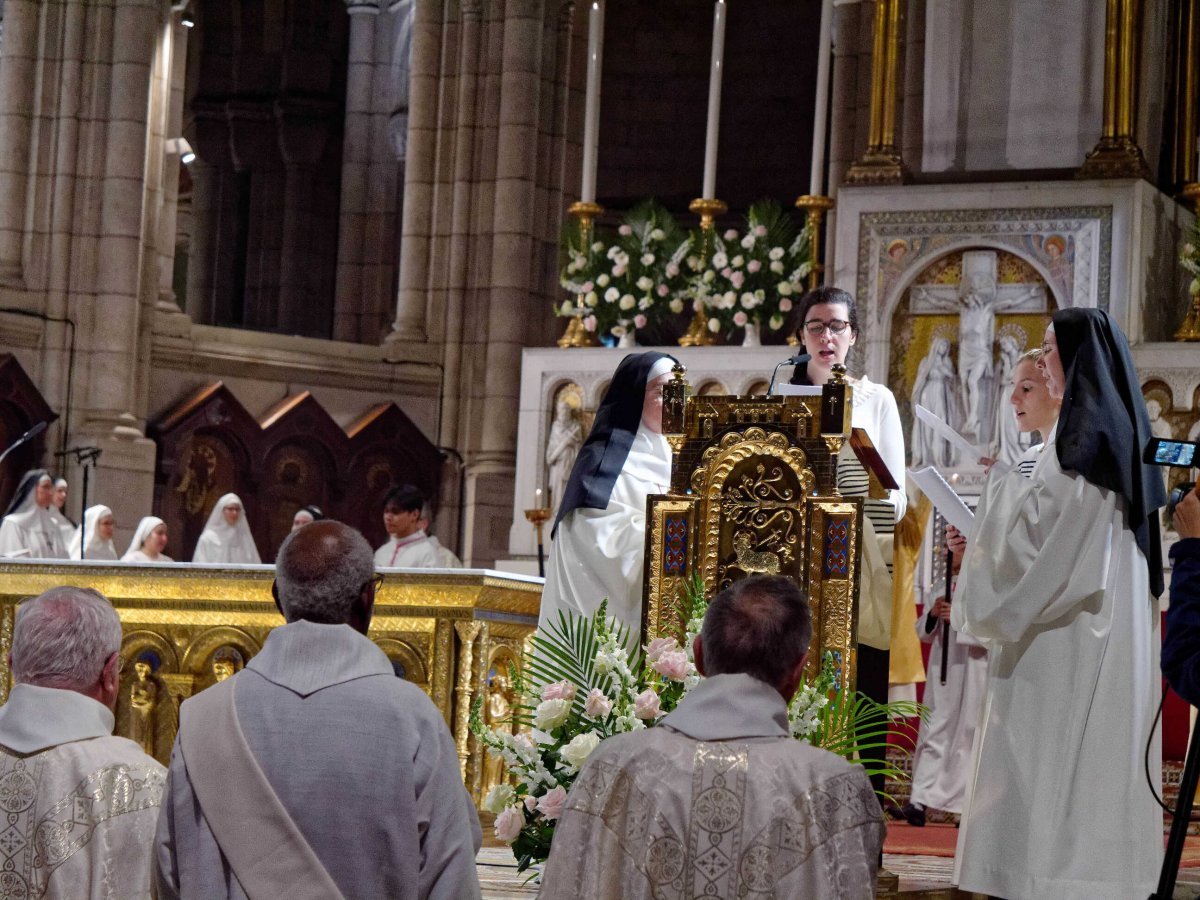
221,542
147,525
96,548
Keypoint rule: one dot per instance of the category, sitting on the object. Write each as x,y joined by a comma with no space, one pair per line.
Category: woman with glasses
828,329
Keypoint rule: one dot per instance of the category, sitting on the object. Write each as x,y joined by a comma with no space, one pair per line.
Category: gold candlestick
698,334
539,516
815,207
576,334
1190,329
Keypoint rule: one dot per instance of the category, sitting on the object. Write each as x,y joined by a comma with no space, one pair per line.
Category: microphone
82,454
798,360
25,438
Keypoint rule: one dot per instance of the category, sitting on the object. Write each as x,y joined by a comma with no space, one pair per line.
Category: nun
95,539
149,542
27,530
306,515
58,512
226,538
1060,581
600,531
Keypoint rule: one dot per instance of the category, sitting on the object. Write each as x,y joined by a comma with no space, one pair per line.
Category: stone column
18,65
1118,155
175,73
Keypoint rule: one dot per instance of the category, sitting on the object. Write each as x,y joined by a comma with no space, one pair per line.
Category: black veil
603,453
24,488
1103,426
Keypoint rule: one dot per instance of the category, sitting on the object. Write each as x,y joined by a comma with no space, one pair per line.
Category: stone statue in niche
977,299
562,446
143,704
227,661
936,389
1008,443
498,715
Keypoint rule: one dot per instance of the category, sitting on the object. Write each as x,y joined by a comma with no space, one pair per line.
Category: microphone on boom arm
798,360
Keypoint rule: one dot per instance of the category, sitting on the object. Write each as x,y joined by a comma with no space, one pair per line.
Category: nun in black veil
28,531
600,530
1060,581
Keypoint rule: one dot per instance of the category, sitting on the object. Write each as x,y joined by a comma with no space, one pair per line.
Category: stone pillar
18,81
174,66
1118,155
881,164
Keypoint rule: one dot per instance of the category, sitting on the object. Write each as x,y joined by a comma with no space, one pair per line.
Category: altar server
600,532
27,530
407,547
942,759
227,538
445,556
95,539
149,541
1060,581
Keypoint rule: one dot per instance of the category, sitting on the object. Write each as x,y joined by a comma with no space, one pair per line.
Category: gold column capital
881,164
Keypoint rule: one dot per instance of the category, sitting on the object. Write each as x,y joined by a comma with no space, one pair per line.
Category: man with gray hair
314,772
81,804
719,800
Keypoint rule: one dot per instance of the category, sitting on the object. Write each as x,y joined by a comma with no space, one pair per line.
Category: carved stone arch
409,658
207,642
135,643
1156,388
711,387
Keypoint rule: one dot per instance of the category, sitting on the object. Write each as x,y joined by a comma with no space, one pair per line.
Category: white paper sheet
941,429
948,503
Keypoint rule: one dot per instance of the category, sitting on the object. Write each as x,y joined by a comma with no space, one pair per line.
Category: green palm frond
781,229
852,723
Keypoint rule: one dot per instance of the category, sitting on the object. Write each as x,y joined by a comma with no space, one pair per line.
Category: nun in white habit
95,539
226,538
149,541
27,530
600,532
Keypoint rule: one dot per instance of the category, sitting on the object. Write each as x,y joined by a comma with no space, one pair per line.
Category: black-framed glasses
816,327
377,580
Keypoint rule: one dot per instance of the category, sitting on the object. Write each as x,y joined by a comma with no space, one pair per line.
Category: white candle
537,499
591,108
714,102
821,111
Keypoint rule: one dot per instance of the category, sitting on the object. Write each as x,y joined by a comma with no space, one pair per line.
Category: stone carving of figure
1009,443
936,389
143,703
1160,428
566,437
498,710
226,661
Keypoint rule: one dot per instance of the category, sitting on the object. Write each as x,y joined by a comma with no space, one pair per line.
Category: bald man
327,776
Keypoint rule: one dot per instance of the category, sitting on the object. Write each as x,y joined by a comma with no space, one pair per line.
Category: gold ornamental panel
832,581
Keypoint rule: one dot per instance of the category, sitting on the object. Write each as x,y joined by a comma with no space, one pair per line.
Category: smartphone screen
1171,453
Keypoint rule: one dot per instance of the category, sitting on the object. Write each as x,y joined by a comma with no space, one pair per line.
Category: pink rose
646,705
785,305
597,705
587,287
672,270
552,802
672,664
740,318
625,231
590,323
524,743
658,647
509,824
753,266
559,690
697,305
662,290
737,279
726,272
618,271
760,230
639,321
530,803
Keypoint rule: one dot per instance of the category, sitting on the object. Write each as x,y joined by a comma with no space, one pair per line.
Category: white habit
718,800
30,533
598,553
221,542
1056,587
96,548
80,804
416,551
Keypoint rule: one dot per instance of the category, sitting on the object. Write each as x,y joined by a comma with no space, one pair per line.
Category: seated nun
149,542
600,531
94,539
226,538
27,530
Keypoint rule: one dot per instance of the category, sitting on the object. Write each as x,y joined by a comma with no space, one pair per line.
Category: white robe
413,552
30,533
96,548
598,553
942,759
221,542
1055,585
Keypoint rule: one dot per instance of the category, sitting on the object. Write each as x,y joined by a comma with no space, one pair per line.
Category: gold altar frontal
185,627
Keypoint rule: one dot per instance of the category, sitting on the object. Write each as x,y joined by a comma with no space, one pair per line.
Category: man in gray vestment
79,804
719,800
315,772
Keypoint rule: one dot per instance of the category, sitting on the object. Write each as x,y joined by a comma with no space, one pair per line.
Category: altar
186,627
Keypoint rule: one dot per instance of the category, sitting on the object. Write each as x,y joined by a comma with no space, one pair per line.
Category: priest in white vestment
28,531
226,538
315,772
1060,581
407,547
80,804
719,800
600,530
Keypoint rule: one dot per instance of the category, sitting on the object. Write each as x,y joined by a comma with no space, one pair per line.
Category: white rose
749,301
602,279
776,253
709,276
597,247
676,305
627,302
738,261
612,295
579,749
777,267
567,308
748,241
776,323
785,288
549,714
591,299
714,325
647,259
720,260
498,798
645,283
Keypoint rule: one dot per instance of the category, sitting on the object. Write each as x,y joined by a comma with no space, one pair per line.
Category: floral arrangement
752,275
594,687
1189,258
629,280
651,269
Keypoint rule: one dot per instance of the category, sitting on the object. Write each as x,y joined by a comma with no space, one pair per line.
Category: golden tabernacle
754,491
186,627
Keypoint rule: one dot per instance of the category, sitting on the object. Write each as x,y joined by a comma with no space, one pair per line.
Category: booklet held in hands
948,503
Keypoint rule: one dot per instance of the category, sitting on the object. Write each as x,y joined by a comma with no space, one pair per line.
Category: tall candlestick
821,110
591,109
714,102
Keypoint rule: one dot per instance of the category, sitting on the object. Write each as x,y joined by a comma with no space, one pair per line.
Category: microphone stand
24,439
85,457
1181,818
798,360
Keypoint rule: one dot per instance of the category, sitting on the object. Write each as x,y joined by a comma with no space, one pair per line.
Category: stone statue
143,703
1160,428
937,390
977,300
226,661
497,712
562,446
1008,441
